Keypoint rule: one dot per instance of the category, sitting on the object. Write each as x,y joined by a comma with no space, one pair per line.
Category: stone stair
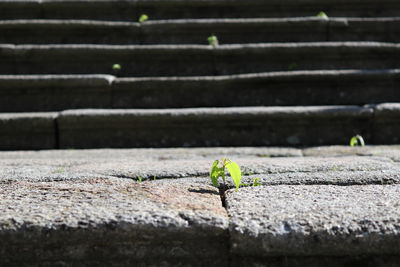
103,184
172,88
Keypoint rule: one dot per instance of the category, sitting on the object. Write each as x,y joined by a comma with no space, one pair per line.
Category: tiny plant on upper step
116,68
357,141
323,15
213,40
143,18
218,170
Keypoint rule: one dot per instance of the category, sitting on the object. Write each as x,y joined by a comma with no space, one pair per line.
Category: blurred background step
196,31
196,127
159,9
23,131
281,75
193,60
22,93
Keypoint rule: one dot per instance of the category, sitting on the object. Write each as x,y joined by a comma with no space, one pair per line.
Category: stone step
131,10
23,93
196,31
191,60
240,126
87,207
311,221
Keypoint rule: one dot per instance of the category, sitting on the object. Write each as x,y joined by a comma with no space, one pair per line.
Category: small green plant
357,141
116,67
256,181
143,18
213,40
218,170
140,179
323,15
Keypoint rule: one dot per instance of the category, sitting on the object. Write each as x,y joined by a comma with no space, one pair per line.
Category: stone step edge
196,31
139,60
343,21
108,80
96,128
13,48
38,93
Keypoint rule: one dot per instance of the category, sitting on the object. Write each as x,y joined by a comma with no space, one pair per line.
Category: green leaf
215,173
116,67
322,14
357,141
256,181
235,173
212,40
143,18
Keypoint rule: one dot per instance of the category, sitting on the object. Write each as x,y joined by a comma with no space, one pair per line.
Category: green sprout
219,171
357,141
213,40
140,179
256,181
116,67
143,18
323,15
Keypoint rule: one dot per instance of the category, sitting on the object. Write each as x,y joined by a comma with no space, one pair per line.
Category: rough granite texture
324,220
333,206
98,219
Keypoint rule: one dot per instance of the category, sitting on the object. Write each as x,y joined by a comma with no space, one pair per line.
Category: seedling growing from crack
143,18
322,15
218,170
213,40
357,141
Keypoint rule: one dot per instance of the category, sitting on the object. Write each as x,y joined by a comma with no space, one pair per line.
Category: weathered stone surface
155,60
195,31
319,220
54,92
259,89
392,151
95,219
150,164
73,206
131,10
391,176
155,154
211,127
386,127
27,131
135,60
372,29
